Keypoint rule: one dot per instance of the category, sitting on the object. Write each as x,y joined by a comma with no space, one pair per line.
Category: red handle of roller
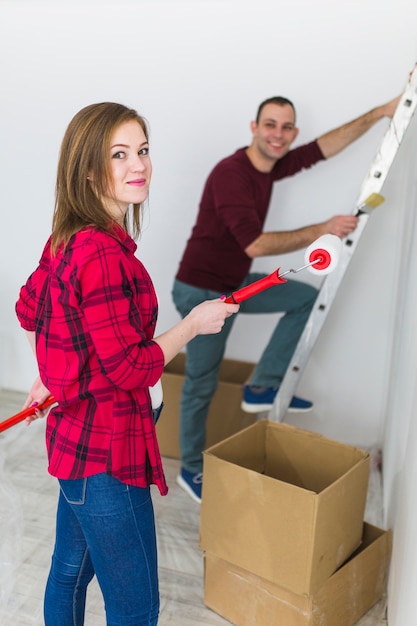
19,417
256,287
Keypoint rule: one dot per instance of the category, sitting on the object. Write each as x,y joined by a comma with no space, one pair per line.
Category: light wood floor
27,518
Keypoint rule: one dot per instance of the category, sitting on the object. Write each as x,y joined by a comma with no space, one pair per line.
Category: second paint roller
321,257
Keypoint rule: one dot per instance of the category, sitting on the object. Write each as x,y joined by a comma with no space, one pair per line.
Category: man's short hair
279,100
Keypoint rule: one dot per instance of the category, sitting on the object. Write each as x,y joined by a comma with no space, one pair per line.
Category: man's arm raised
336,140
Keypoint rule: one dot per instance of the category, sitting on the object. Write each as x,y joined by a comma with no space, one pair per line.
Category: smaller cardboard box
283,503
225,415
247,600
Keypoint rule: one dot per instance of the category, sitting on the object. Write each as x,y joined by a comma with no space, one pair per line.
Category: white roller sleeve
326,251
156,394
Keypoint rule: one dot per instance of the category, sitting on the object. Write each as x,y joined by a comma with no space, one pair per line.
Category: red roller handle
259,285
19,417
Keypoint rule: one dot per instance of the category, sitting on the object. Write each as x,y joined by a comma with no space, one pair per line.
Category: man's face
275,131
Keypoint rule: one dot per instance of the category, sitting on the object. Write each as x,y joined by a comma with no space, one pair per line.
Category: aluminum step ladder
372,184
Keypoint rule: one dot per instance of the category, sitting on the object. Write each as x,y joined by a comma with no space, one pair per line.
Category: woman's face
131,169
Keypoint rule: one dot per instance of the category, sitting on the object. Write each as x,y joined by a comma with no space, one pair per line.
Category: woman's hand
209,316
38,394
206,318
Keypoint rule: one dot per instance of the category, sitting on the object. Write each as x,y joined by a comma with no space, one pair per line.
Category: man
227,236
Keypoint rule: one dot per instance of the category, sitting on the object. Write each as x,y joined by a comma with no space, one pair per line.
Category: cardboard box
247,600
283,503
225,415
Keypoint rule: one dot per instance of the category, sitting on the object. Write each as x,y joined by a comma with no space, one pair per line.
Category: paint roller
321,257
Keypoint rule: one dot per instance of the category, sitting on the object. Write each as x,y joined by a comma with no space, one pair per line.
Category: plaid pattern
94,312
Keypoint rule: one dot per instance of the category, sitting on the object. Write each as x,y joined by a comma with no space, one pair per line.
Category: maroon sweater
232,213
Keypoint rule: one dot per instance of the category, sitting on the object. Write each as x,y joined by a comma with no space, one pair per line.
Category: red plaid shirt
94,311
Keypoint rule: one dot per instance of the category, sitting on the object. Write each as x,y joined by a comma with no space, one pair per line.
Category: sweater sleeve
300,158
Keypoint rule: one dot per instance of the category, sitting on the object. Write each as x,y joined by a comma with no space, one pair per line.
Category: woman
90,312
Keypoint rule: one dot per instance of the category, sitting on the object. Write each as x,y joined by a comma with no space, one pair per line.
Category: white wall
400,468
197,70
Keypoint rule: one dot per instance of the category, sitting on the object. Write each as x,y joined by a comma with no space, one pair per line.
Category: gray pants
204,353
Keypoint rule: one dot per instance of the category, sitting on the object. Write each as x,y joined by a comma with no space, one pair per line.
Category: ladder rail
373,183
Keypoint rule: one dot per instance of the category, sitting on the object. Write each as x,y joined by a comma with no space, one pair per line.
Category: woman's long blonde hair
84,155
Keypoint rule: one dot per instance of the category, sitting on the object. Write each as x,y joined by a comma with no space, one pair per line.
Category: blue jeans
104,528
205,353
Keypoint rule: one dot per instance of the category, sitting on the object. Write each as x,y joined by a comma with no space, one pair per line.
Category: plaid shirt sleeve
118,302
30,292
